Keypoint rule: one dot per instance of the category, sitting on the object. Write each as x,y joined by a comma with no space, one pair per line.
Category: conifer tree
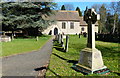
78,9
63,7
26,14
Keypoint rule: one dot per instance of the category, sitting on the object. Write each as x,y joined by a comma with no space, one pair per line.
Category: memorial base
91,62
86,70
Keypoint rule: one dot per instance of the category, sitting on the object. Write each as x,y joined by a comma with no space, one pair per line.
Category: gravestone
64,36
62,41
90,58
79,35
37,38
84,34
4,38
59,38
56,38
66,44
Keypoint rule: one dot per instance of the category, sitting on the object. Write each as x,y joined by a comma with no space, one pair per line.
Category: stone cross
90,58
90,16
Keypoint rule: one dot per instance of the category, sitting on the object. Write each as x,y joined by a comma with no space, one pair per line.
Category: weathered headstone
37,38
66,44
64,36
4,38
59,38
56,38
85,34
79,35
90,58
62,41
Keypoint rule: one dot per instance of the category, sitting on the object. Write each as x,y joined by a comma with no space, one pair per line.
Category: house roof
67,15
63,15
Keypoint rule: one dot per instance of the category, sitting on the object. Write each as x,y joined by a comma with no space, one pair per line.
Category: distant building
67,22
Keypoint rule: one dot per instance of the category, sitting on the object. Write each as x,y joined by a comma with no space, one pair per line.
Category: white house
67,22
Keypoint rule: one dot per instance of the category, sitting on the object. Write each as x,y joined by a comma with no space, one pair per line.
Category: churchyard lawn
61,62
19,46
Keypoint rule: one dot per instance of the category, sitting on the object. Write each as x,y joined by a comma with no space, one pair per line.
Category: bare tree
102,21
96,7
118,3
115,9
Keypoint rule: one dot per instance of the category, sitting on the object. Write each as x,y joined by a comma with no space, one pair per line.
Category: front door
55,31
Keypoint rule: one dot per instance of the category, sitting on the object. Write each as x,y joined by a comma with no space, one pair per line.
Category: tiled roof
63,15
67,15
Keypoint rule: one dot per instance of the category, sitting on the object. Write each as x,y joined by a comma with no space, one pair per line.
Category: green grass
22,45
61,62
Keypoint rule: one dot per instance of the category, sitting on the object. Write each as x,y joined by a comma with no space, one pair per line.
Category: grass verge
22,45
61,62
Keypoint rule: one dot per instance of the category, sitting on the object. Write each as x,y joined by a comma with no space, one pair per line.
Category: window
63,25
82,28
71,25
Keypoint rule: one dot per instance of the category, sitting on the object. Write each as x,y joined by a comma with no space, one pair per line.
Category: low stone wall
5,38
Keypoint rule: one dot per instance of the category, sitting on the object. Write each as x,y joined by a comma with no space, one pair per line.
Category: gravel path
25,64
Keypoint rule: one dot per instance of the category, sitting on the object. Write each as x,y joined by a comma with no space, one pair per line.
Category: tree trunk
114,26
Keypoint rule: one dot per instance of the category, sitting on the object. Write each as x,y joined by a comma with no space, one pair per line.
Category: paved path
24,64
